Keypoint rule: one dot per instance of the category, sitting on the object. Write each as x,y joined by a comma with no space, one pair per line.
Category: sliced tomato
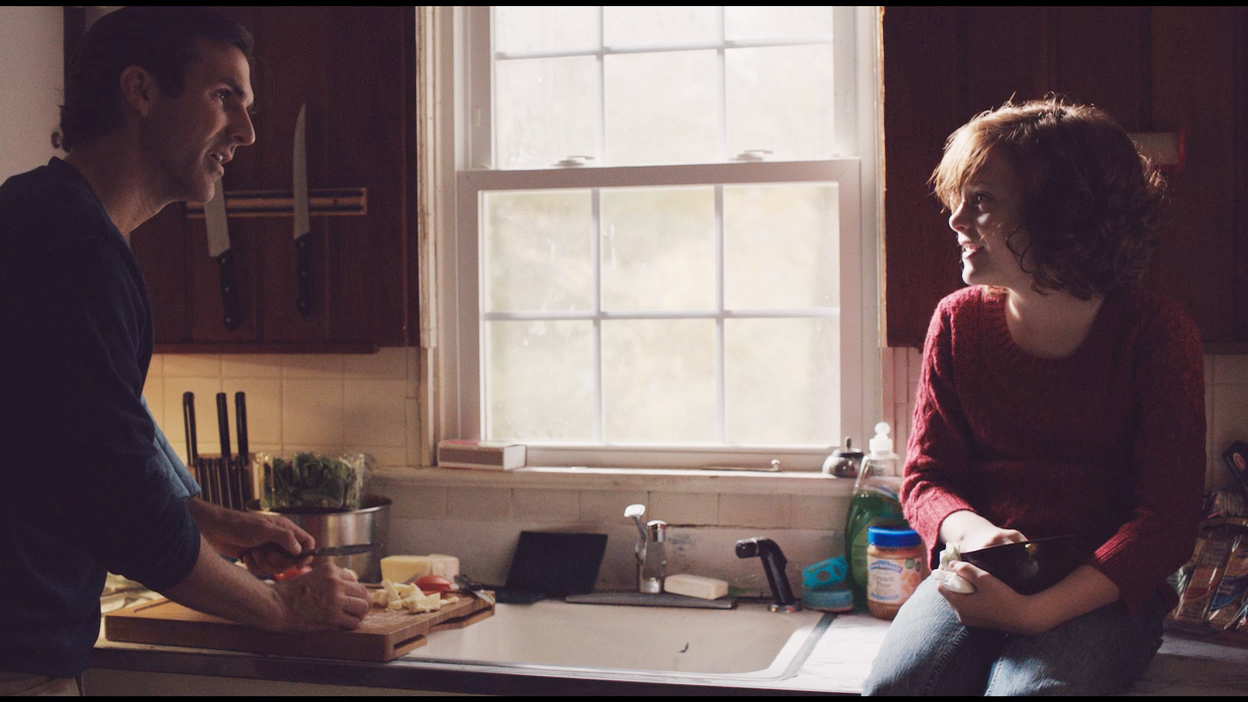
434,583
292,572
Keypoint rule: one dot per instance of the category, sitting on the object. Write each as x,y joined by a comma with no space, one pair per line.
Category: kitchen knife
225,465
474,587
303,252
342,550
244,450
219,248
223,425
351,550
188,420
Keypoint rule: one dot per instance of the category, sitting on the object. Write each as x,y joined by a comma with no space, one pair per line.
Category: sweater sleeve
937,455
1168,456
110,495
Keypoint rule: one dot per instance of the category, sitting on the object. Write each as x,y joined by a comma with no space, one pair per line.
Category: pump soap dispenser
876,503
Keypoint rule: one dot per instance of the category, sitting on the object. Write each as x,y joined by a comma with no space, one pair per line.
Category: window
662,249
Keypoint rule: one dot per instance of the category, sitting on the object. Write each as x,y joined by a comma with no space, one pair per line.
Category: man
156,103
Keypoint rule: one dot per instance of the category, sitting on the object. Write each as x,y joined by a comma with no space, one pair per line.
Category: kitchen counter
838,664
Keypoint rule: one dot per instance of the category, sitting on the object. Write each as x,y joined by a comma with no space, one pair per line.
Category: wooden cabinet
1154,69
354,67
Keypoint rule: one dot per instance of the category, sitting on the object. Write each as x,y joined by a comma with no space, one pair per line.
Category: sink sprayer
774,563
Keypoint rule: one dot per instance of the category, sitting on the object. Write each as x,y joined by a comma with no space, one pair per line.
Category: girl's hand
994,605
990,536
972,532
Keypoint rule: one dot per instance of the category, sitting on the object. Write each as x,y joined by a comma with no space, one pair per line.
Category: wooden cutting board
383,635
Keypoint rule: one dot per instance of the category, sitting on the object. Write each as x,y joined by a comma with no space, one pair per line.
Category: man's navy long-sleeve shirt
82,492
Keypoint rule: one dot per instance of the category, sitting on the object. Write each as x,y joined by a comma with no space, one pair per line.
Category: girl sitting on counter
1057,397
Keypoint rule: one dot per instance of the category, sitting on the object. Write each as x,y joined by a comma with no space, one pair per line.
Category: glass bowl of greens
311,482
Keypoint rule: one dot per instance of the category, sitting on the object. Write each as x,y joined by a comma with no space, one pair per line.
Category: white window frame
455,327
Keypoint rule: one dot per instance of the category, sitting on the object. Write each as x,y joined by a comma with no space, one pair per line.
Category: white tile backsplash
334,403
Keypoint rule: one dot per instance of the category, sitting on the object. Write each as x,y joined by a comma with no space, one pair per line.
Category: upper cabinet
1155,69
354,69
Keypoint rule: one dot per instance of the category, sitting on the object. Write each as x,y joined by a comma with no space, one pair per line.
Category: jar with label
894,569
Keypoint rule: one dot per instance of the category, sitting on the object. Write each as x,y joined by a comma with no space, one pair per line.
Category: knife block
227,483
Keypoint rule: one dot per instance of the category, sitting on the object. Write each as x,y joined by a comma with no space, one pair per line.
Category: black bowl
1029,566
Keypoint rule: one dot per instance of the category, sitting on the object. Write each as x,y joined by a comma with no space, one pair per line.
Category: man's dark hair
161,40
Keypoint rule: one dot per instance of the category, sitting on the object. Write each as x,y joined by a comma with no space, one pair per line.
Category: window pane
662,108
545,110
781,246
629,26
782,380
527,28
658,249
540,380
536,253
771,22
781,99
659,380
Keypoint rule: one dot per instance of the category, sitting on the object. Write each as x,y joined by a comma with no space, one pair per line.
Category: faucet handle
658,530
635,513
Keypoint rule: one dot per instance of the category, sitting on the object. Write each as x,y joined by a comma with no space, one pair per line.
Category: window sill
668,480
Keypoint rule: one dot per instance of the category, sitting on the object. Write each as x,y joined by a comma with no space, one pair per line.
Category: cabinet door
1153,69
353,68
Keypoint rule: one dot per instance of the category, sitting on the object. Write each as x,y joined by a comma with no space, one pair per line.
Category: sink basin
747,642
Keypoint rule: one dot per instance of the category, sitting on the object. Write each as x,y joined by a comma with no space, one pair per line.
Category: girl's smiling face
989,213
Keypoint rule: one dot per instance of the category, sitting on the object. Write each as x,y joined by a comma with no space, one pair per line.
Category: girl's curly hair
1091,199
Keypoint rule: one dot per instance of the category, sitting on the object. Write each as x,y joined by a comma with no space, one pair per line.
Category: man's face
187,140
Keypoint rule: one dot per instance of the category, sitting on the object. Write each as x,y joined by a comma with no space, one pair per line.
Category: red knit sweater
1107,444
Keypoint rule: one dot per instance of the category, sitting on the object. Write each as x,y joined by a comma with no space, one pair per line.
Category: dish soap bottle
876,503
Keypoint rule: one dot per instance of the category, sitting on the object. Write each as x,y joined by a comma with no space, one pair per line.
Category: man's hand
242,534
327,597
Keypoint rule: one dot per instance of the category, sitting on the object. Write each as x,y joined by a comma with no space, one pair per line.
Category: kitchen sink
746,642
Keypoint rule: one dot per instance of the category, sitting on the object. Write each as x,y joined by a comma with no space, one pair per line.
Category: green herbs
311,482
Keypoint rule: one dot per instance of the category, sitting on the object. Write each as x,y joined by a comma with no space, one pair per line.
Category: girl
1057,397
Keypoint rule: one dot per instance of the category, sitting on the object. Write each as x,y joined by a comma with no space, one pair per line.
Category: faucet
651,559
773,565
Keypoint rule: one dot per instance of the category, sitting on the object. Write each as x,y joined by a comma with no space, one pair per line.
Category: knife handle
240,420
229,290
223,425
188,419
303,252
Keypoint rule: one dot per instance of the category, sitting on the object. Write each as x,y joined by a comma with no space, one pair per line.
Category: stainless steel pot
368,525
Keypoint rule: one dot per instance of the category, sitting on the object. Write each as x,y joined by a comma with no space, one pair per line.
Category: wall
333,403
31,52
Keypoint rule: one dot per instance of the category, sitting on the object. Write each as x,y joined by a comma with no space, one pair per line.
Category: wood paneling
923,85
354,68
1154,69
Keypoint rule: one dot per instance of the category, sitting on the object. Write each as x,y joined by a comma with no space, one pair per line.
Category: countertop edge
422,676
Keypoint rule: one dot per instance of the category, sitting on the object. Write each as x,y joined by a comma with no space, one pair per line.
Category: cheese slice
404,568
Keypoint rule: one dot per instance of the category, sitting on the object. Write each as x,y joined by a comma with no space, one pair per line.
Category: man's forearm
217,587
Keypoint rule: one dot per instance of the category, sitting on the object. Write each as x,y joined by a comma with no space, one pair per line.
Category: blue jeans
927,651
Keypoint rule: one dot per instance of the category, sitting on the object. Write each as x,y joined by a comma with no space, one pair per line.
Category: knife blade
303,253
351,550
219,248
342,550
474,587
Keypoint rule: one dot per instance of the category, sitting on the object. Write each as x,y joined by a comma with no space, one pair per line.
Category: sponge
695,586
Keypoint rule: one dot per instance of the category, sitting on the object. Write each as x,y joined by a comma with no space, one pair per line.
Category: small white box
484,455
